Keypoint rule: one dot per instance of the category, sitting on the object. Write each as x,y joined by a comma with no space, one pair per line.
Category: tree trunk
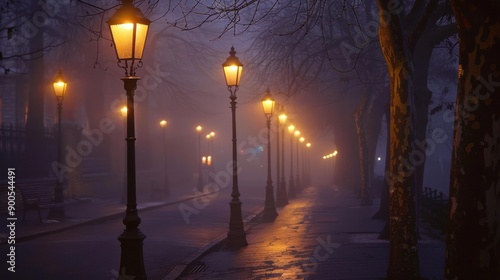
34,159
359,120
473,244
403,261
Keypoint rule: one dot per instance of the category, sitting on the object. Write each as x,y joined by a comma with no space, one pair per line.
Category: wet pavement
323,234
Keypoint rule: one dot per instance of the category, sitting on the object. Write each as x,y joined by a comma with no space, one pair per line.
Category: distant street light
129,28
308,164
291,189
298,182
281,194
60,85
166,185
270,213
302,164
200,178
236,237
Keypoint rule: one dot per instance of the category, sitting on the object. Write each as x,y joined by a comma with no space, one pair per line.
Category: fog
182,83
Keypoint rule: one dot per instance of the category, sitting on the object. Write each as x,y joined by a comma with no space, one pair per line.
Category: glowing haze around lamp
60,86
268,103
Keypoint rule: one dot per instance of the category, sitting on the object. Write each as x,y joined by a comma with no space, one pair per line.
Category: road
93,251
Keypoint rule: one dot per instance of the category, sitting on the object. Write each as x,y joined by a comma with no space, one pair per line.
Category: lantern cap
267,96
232,59
127,13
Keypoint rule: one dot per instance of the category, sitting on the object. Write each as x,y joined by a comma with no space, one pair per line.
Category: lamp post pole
200,178
308,163
291,189
129,28
166,184
236,236
60,86
298,183
278,180
123,199
270,213
282,196
302,163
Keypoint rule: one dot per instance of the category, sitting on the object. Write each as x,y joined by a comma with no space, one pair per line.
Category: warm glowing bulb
127,25
302,139
124,111
208,136
308,145
291,128
212,134
199,128
296,133
163,123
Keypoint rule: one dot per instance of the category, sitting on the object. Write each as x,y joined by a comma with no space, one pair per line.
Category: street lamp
302,164
281,194
123,199
129,28
308,163
163,124
298,183
236,236
291,189
270,213
60,85
200,179
212,139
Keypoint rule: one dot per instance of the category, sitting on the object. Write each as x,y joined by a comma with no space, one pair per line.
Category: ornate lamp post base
132,259
236,237
270,213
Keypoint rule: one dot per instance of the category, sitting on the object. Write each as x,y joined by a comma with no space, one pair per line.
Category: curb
207,248
98,220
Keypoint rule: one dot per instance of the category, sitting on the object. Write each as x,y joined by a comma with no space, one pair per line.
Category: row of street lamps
270,213
129,28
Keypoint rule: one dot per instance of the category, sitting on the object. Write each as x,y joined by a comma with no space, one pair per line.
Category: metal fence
434,209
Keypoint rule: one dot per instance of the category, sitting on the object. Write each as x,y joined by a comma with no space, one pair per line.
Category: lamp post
334,155
308,163
198,160
282,197
166,185
270,213
291,189
129,29
123,199
60,85
298,183
236,236
212,139
302,164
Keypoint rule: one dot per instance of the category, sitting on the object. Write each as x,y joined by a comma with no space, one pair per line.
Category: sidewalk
83,212
323,234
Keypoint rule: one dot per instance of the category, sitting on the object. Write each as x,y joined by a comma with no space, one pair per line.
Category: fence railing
434,209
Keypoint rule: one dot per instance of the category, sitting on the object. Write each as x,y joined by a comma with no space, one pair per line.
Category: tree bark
403,261
473,244
359,120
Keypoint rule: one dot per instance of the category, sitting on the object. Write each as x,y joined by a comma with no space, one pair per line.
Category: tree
473,244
